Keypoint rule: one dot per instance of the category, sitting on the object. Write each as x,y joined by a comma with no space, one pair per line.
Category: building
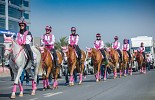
11,12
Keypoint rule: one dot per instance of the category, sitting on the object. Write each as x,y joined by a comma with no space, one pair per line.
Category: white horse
18,60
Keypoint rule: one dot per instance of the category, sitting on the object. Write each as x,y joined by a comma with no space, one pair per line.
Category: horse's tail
40,69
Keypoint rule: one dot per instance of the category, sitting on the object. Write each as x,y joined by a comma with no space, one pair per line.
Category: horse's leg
144,68
81,72
19,72
71,74
55,84
98,72
47,76
21,88
121,69
125,67
105,72
115,71
33,80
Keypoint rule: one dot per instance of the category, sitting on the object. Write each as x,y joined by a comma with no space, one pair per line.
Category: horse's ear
12,36
4,36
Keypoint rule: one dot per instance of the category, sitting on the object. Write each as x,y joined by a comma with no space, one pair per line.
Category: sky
124,18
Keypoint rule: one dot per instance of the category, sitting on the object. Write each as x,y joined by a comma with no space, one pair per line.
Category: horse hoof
114,77
124,75
105,79
48,87
21,95
44,89
33,92
97,80
80,83
72,84
13,96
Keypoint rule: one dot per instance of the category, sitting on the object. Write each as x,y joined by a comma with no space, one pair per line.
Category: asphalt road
135,87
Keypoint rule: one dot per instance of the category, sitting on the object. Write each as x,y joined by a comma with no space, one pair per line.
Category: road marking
52,94
2,81
61,79
10,87
87,86
33,99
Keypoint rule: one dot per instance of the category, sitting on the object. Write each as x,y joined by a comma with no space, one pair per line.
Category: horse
96,58
19,61
71,58
125,63
141,62
114,59
49,66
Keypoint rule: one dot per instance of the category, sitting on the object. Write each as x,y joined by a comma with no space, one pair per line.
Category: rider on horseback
73,41
141,49
99,44
24,38
116,46
48,41
125,47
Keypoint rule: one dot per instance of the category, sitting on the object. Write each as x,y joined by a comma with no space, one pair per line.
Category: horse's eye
10,45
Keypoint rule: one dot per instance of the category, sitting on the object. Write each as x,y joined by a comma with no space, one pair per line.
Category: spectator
148,59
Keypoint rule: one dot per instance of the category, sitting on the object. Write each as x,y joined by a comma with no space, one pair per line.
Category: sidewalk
4,72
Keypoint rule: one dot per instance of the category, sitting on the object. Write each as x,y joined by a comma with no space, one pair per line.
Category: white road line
52,94
10,87
2,81
87,86
33,99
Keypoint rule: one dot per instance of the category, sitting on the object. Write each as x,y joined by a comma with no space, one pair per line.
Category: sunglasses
22,25
48,30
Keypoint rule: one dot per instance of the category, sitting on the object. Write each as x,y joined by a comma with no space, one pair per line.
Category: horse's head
89,52
65,51
8,44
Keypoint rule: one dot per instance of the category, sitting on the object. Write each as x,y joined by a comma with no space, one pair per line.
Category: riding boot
32,59
56,62
27,46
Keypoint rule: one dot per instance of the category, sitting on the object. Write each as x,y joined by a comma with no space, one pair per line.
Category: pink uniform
125,47
73,39
48,40
116,45
98,44
141,49
24,38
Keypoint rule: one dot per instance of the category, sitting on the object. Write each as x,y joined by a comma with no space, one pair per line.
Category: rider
24,38
48,41
73,41
116,46
141,49
125,47
99,44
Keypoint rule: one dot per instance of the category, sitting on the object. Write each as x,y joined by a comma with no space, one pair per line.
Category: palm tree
108,44
62,42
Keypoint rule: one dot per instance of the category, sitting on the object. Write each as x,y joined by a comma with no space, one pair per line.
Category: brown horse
70,57
49,66
114,59
141,62
96,58
125,63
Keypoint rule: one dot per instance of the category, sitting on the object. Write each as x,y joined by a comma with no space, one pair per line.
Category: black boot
32,59
56,63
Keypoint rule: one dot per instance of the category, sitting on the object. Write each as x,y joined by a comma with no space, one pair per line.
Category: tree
62,42
108,44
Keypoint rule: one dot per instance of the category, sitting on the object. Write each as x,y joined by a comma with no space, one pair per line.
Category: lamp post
6,15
